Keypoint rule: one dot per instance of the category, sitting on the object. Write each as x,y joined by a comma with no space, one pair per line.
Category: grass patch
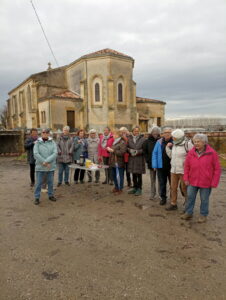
223,163
22,157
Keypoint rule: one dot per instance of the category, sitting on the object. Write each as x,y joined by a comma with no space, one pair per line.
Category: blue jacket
157,154
45,152
80,148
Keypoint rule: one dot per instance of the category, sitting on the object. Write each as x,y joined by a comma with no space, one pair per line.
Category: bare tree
3,116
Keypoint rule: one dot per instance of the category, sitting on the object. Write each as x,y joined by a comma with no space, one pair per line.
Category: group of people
190,165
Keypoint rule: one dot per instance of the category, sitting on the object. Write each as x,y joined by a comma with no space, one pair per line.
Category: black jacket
148,147
29,145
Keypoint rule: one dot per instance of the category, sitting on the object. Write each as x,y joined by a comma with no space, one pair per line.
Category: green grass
223,163
23,156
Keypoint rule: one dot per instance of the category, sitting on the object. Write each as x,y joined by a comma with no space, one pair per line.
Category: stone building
93,91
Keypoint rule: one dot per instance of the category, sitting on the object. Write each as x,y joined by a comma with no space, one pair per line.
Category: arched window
97,92
120,92
29,98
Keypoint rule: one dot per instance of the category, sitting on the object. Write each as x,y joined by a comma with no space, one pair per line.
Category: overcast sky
179,46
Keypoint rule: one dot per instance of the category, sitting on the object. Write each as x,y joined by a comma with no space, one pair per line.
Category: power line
44,33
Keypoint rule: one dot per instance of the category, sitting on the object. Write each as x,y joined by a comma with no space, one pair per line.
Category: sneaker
36,202
162,202
76,182
111,183
186,216
104,182
171,207
202,219
132,191
138,192
58,184
67,183
52,198
96,181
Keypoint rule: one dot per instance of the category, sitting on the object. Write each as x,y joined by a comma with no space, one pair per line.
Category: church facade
94,91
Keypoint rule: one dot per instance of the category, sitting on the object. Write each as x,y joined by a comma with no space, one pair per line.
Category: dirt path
92,245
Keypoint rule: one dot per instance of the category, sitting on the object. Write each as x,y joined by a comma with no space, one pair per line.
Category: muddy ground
93,245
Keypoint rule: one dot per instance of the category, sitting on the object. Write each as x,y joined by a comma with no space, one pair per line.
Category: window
159,121
120,92
97,92
43,116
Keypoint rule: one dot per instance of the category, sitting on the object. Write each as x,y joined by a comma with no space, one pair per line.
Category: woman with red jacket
106,140
201,173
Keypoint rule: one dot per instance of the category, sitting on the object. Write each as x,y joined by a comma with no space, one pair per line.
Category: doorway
71,119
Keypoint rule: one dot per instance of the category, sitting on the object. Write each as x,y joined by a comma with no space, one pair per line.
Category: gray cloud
179,46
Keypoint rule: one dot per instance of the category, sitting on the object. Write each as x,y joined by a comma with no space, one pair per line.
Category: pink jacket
203,171
103,151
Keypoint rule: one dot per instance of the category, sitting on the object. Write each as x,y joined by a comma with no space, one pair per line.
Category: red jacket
103,151
203,171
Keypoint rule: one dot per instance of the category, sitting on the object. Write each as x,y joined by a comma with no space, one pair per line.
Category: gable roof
148,100
104,52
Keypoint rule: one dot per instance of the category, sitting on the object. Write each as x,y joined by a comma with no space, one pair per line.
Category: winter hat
178,134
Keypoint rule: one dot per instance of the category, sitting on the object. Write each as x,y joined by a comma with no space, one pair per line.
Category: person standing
201,173
92,147
161,163
80,148
45,153
65,148
29,146
136,164
106,140
148,148
117,162
177,152
125,136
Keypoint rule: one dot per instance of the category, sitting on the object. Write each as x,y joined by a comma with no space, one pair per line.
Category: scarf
105,140
135,138
116,140
179,141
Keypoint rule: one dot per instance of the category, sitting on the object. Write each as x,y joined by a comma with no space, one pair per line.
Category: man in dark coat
148,148
29,145
161,162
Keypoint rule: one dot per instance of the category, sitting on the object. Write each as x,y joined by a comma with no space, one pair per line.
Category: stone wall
217,140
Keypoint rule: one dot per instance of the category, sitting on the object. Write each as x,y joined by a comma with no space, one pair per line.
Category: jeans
204,196
118,185
137,181
162,178
32,173
63,168
39,181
